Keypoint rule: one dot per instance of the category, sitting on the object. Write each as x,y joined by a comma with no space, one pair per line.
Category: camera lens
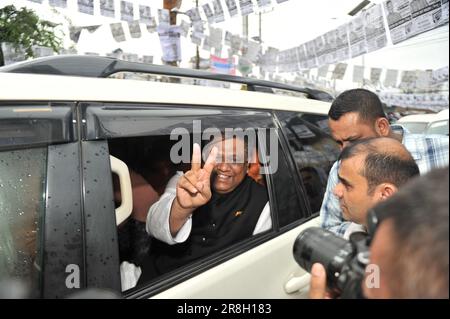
316,245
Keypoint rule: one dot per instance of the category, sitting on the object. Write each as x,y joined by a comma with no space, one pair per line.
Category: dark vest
223,221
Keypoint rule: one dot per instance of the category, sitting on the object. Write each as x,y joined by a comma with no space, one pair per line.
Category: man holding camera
410,246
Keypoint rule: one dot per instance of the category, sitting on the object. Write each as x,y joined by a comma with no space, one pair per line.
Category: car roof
417,118
37,87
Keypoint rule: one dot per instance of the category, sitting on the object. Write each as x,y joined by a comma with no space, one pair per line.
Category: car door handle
126,207
297,283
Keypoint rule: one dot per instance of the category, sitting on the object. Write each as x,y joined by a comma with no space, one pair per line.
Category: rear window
22,190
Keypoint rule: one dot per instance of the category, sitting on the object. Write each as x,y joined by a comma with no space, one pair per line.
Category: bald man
371,171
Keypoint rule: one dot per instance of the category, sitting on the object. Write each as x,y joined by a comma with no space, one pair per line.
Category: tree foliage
24,29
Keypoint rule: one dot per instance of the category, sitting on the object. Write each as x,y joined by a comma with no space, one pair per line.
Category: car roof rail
102,67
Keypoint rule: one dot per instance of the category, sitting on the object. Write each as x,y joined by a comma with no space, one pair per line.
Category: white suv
70,137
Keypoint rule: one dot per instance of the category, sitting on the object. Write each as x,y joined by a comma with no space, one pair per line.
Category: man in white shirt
206,209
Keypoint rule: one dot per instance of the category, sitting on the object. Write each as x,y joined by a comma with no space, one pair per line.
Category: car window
22,206
440,127
314,153
415,128
156,144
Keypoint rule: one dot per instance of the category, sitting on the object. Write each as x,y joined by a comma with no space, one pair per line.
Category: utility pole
197,51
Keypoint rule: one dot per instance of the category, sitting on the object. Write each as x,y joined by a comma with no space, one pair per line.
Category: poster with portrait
398,15
135,29
227,39
163,17
330,49
311,60
246,7
301,53
148,59
126,11
145,14
107,8
426,15
117,31
319,49
86,6
58,3
357,37
375,75
218,11
215,37
391,77
322,72
232,7
342,44
152,25
339,71
444,11
206,44
169,37
263,3
358,74
184,28
194,14
208,13
374,29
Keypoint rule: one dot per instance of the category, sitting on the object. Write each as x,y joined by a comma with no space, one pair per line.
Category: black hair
420,217
382,166
361,101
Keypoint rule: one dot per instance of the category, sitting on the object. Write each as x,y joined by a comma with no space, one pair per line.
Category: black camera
344,261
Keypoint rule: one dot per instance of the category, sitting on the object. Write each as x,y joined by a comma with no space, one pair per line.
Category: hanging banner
263,3
391,78
107,8
170,43
398,14
311,61
232,7
208,13
319,49
206,44
358,74
163,17
58,3
152,25
215,35
357,37
194,15
342,44
184,28
330,50
86,6
374,29
375,75
218,11
426,15
444,11
339,71
145,14
117,31
246,7
126,11
323,71
135,29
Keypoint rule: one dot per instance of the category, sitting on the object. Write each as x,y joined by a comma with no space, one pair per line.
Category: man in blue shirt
357,114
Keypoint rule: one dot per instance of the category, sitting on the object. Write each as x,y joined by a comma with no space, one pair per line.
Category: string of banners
365,33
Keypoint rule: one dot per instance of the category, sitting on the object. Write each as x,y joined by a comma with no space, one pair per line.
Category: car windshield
440,127
416,128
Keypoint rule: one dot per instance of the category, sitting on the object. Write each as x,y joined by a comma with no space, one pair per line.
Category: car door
268,269
41,242
260,266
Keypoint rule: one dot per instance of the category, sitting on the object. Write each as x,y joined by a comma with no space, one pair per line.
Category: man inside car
206,209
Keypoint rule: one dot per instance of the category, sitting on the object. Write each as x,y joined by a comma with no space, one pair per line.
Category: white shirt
158,226
159,214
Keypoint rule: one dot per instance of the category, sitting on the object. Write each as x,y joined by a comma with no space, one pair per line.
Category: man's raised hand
193,188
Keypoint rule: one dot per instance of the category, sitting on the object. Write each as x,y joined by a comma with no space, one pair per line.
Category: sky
283,26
